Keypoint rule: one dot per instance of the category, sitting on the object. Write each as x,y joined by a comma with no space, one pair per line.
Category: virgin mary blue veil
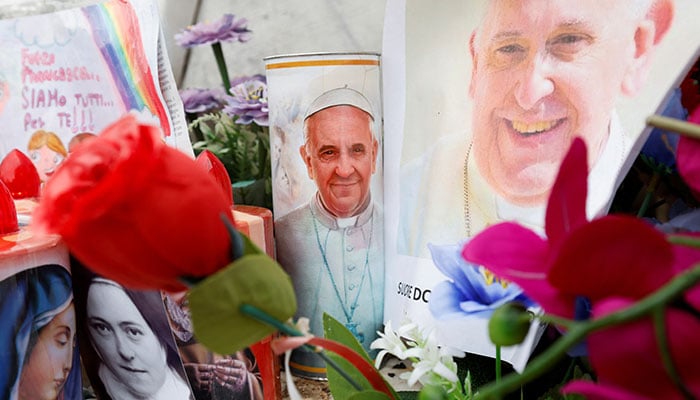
28,301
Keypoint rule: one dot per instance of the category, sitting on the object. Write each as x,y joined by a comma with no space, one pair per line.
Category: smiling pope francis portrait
542,73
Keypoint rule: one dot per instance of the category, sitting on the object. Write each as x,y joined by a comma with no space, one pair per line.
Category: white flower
432,364
390,343
432,361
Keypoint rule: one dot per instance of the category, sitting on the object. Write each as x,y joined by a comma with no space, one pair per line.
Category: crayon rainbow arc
115,30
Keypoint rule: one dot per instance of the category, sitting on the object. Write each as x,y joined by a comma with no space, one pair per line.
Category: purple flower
197,101
470,290
248,101
226,29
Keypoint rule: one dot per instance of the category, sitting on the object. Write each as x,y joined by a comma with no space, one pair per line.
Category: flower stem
498,363
556,320
690,241
237,250
651,188
221,63
579,330
659,314
264,317
676,125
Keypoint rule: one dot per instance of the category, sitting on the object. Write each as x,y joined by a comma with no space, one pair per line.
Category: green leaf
215,303
432,392
200,145
367,395
340,388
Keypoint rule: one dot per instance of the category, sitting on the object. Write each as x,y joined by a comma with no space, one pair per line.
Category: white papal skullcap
339,97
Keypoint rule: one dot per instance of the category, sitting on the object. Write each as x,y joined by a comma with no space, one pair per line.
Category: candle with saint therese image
325,139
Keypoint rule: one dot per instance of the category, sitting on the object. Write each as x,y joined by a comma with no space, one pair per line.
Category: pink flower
627,359
515,253
613,261
578,258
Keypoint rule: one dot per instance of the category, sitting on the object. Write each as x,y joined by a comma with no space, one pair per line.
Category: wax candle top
8,212
20,176
208,160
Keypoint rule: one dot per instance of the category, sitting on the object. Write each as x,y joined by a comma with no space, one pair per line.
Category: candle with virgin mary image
39,356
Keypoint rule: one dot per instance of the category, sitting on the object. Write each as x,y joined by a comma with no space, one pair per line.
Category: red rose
137,211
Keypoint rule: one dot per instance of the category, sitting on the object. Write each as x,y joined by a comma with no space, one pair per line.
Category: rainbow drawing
115,30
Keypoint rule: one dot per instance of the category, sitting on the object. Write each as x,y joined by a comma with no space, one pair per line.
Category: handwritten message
44,93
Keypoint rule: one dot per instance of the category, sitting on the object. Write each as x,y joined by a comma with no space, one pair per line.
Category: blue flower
471,289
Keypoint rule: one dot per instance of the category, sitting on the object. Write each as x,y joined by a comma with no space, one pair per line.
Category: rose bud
136,210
